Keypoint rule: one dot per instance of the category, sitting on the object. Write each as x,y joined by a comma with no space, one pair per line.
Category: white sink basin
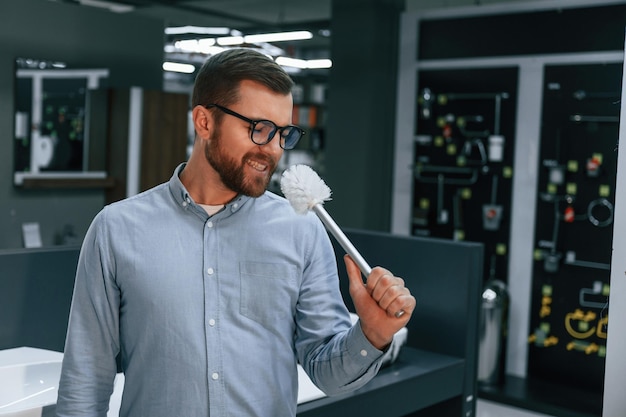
29,379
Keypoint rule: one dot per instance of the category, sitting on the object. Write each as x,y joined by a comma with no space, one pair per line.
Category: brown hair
218,79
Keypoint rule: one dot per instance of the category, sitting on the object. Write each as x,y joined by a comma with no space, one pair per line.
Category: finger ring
400,313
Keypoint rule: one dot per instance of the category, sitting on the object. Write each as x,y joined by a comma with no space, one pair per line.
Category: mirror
52,121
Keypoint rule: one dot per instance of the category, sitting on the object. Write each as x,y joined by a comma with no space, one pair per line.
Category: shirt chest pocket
268,291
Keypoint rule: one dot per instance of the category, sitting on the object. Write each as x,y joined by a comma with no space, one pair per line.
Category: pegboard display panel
463,159
574,224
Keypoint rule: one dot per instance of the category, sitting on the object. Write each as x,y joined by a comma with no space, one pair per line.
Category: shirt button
188,200
209,224
210,271
212,322
363,352
184,204
215,376
235,205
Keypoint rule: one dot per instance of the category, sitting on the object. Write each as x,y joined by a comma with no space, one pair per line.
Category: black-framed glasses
263,131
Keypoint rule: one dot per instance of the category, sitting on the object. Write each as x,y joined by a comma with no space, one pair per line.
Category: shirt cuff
359,345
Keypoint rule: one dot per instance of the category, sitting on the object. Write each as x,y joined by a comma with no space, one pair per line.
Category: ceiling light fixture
178,67
187,45
109,5
230,40
279,37
291,62
303,63
199,30
319,63
206,45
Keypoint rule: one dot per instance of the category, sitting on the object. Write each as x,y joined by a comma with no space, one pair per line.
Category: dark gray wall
131,48
362,99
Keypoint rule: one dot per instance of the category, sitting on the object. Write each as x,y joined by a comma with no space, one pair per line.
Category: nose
273,145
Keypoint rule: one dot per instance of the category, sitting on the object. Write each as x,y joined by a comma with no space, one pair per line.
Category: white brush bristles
303,188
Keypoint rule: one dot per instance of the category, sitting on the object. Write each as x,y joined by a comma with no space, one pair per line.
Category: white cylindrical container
496,148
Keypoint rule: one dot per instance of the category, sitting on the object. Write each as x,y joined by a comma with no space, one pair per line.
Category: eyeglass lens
264,131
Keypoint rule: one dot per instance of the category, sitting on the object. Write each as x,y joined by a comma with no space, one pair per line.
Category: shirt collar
184,200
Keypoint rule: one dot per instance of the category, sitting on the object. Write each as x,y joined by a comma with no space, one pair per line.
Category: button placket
212,314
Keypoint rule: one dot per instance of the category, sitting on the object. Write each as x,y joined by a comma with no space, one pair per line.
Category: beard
232,172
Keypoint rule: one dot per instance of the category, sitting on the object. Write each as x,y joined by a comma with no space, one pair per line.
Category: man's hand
379,303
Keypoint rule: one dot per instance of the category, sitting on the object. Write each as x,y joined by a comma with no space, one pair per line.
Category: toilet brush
306,191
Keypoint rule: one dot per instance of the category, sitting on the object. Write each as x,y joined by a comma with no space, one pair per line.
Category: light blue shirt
210,314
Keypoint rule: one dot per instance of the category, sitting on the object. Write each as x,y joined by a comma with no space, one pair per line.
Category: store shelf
544,397
436,378
68,183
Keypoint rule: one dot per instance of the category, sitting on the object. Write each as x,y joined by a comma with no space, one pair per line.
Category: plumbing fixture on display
594,166
497,97
477,143
595,297
585,95
426,101
552,259
442,175
592,212
571,259
493,322
424,140
442,213
462,124
579,118
451,175
459,234
551,262
556,173
496,148
492,213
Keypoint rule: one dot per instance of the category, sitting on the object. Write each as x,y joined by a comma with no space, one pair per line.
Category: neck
204,184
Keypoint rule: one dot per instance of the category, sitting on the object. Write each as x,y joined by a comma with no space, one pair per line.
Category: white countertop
29,380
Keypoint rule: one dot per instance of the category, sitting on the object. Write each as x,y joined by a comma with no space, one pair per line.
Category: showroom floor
490,409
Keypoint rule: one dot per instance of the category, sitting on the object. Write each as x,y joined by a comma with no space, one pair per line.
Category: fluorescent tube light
111,6
206,45
181,30
230,40
187,45
178,67
319,63
304,64
279,37
291,62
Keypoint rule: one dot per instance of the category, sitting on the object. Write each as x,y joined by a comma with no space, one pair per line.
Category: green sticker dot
571,188
604,190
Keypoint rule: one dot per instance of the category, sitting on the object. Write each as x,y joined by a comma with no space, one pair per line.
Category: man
211,288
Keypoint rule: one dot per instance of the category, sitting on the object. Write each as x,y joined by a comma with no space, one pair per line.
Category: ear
202,122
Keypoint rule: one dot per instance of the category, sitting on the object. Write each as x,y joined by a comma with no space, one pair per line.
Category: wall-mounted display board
52,122
573,228
554,183
463,159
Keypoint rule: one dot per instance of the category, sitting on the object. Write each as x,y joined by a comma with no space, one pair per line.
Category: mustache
269,160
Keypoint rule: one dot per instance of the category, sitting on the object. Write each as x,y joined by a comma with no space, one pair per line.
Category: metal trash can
492,332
